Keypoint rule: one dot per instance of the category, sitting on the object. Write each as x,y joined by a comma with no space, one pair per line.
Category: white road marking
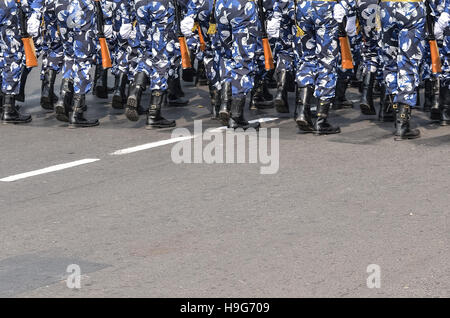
150,145
48,170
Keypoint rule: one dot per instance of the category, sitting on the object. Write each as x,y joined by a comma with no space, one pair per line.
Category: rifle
268,56
106,56
28,44
185,58
436,65
201,39
346,53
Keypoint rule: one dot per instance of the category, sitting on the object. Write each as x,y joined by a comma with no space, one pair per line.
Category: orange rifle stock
268,56
436,64
346,53
106,56
28,43
185,56
201,38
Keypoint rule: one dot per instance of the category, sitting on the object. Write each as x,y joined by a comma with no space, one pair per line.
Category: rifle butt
106,56
346,53
436,65
268,56
185,58
30,52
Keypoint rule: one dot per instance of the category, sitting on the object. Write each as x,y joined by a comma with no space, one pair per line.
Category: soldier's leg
11,66
327,59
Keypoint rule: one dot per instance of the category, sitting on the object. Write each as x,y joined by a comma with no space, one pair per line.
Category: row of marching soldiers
392,43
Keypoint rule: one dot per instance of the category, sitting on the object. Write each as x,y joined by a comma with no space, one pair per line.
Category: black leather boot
77,118
418,99
202,80
101,82
154,118
303,116
340,100
435,113
258,99
237,119
225,105
387,113
48,96
444,104
175,93
281,99
135,95
1,101
322,127
270,80
403,130
429,95
23,82
215,102
64,105
366,103
10,113
120,98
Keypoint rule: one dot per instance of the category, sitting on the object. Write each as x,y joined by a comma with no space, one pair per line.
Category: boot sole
304,126
131,110
323,133
72,126
281,107
14,122
406,138
367,109
47,103
117,102
150,127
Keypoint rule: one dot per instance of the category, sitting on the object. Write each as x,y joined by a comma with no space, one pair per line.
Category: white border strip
48,170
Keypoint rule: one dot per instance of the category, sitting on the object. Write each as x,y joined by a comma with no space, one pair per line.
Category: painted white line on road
48,170
150,145
161,143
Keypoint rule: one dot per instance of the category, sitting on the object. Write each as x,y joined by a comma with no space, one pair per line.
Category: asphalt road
138,224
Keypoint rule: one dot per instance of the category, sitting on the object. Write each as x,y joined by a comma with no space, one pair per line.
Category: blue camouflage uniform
200,11
403,35
52,46
77,25
320,52
12,56
238,32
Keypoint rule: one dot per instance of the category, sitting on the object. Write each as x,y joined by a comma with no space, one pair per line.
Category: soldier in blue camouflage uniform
368,15
441,9
77,25
12,59
317,74
52,57
282,27
238,32
157,32
403,34
201,11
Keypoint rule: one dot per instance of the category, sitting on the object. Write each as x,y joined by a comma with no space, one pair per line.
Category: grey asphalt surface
140,225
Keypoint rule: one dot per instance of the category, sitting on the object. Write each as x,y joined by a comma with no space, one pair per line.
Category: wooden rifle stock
106,56
268,56
436,65
201,38
346,53
27,40
185,56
